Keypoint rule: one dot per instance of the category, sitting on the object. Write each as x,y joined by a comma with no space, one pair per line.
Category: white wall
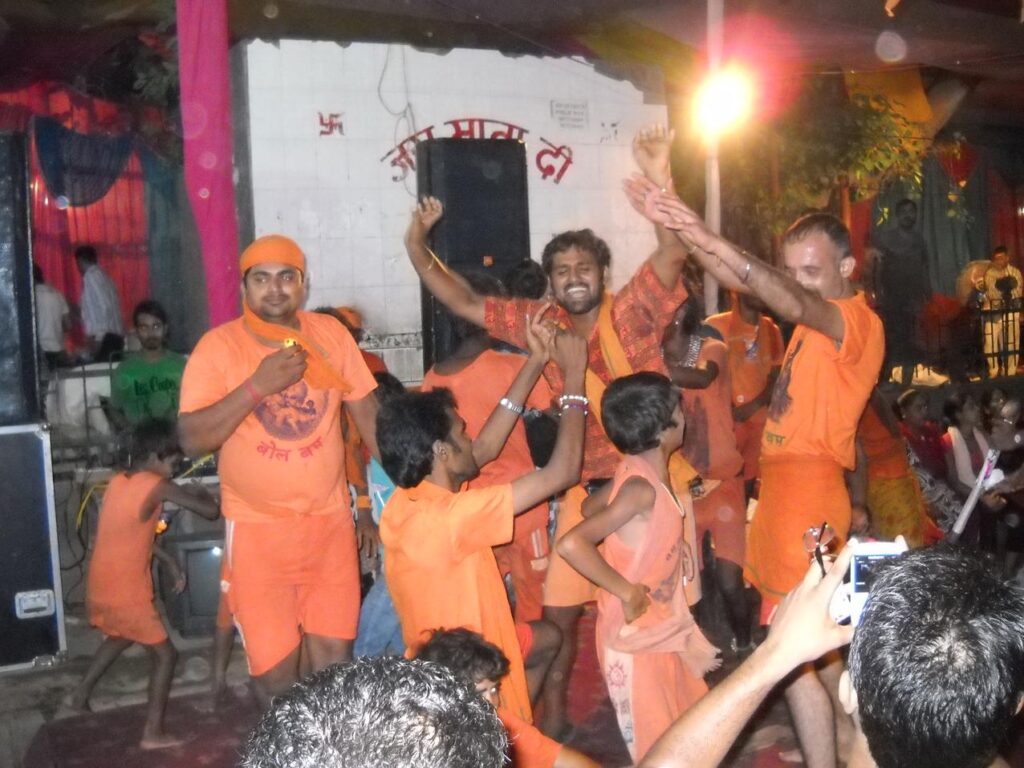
340,201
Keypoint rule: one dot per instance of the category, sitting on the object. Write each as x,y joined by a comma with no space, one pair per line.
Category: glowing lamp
723,101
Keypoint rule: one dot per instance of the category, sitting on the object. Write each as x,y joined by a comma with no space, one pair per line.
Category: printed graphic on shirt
781,399
294,413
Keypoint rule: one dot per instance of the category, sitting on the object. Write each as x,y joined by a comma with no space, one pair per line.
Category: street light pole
712,176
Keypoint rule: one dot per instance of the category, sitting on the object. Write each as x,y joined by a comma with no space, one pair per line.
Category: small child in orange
653,656
119,589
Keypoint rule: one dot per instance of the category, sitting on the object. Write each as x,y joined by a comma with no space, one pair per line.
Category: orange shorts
138,622
723,512
748,441
290,577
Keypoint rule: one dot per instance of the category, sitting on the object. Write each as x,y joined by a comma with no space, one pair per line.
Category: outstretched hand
652,150
424,217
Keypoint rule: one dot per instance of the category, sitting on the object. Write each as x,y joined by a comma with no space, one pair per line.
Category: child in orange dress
653,655
119,588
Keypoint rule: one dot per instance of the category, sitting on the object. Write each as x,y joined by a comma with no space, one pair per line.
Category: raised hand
682,218
424,217
652,150
279,370
540,334
570,352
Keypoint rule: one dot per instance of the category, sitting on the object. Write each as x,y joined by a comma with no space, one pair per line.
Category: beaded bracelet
563,399
574,404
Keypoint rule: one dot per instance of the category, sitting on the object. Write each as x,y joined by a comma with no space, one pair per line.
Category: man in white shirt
53,319
101,308
1003,285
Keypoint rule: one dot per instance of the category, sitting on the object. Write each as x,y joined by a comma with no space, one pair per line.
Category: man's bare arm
446,286
364,413
780,292
801,632
206,429
563,470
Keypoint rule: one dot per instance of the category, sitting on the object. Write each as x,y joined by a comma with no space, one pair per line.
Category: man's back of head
378,712
937,662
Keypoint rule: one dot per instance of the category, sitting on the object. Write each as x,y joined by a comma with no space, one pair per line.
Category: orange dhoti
564,585
797,493
748,442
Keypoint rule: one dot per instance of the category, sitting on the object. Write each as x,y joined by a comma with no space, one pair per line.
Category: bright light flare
723,101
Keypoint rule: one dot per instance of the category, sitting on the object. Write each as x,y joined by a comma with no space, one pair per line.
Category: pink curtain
206,122
1005,205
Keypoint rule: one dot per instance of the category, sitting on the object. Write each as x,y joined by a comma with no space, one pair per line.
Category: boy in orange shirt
119,590
653,655
438,562
483,665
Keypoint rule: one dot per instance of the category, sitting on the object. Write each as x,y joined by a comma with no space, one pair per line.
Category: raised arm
745,272
446,286
503,419
570,353
579,546
195,498
801,632
652,151
206,429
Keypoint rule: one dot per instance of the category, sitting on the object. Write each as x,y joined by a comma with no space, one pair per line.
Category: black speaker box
19,391
485,227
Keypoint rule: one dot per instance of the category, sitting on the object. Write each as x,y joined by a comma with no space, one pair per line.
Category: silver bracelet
516,409
563,399
746,274
693,352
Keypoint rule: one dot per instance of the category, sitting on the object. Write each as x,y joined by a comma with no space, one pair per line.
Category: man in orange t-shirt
439,565
479,376
755,359
266,390
577,264
831,366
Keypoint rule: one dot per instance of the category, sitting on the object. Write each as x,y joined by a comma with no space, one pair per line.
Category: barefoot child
119,589
653,655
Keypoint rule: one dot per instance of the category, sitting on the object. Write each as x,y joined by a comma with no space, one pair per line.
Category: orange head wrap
273,249
278,249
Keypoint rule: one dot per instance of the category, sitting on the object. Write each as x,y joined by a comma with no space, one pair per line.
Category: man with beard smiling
623,334
146,385
267,390
830,368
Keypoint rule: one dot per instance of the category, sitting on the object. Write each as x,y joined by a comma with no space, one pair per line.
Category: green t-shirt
142,390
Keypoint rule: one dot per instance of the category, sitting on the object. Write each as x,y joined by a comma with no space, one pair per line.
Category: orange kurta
654,667
441,572
119,587
528,747
808,441
477,389
754,351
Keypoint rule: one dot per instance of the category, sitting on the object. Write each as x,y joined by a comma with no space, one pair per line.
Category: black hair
407,428
385,711
584,240
1000,249
86,253
37,274
636,409
526,280
938,659
904,203
465,653
389,386
149,307
826,224
907,399
153,437
955,404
